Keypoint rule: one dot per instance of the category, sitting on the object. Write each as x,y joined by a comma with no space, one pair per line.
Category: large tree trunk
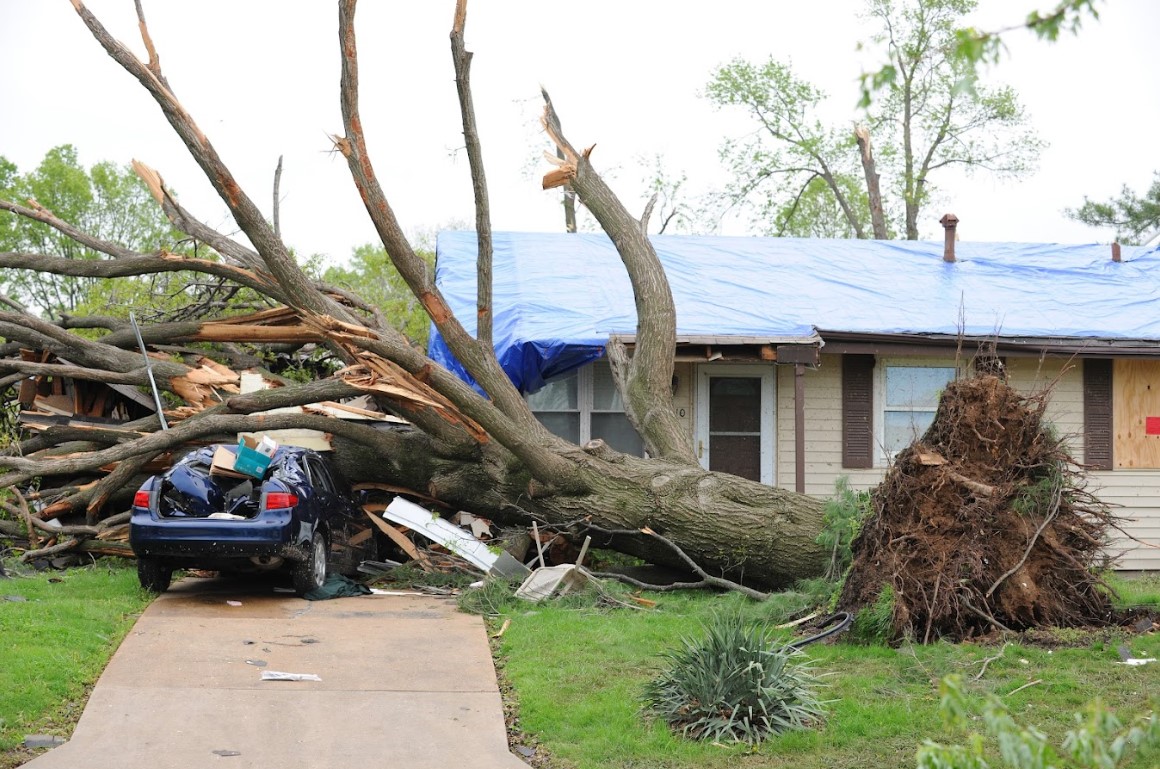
732,527
488,454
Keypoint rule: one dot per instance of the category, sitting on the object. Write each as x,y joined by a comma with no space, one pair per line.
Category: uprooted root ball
983,524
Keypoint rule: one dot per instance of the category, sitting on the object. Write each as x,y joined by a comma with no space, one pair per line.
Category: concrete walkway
406,681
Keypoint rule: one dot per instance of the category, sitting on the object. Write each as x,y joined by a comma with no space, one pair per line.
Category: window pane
566,425
735,404
558,395
901,428
736,454
605,396
617,432
916,386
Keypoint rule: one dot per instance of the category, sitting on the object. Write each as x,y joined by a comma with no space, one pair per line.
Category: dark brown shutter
857,411
1097,414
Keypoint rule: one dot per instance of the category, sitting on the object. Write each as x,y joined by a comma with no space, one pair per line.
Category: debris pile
982,525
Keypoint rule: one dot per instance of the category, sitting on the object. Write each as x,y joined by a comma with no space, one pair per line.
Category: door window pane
736,454
735,405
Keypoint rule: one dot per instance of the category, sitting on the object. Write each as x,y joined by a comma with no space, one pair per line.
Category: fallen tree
484,454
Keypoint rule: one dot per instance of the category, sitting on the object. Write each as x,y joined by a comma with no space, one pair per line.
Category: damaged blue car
300,517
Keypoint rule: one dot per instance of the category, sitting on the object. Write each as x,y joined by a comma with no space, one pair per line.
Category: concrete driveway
406,681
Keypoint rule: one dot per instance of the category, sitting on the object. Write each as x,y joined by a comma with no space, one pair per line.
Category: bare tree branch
648,394
462,60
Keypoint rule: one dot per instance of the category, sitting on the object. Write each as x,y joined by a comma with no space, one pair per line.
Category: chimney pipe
949,222
1115,252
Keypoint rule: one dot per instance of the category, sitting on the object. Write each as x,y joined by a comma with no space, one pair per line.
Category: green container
250,462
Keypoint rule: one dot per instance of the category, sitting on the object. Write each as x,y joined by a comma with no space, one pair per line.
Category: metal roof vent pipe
949,222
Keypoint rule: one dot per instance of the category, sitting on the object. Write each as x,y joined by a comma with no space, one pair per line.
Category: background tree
931,116
1135,218
373,276
106,201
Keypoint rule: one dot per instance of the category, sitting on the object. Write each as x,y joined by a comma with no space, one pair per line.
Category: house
799,361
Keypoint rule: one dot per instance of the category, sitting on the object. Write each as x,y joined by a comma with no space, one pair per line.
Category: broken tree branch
873,190
647,393
508,418
277,200
461,58
707,580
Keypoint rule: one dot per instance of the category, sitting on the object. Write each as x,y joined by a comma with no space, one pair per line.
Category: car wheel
310,574
154,575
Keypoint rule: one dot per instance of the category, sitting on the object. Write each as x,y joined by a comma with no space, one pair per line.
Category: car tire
154,575
310,574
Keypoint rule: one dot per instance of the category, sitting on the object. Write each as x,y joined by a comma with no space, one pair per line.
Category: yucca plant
735,685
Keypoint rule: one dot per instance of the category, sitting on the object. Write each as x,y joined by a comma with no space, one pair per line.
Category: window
908,393
584,405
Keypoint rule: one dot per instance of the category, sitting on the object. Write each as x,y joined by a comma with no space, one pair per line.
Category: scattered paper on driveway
274,675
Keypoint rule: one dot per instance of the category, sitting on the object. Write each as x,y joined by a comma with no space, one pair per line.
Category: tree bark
732,527
873,191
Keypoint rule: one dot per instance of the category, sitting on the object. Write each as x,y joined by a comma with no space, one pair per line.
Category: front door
735,420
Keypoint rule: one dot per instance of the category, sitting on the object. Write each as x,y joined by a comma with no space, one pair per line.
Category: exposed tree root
983,524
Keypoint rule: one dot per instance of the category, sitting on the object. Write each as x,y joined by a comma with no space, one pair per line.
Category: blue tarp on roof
558,297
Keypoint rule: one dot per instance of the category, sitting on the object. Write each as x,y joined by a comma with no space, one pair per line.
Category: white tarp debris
453,538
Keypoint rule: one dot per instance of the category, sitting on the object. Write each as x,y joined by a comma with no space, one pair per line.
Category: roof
558,297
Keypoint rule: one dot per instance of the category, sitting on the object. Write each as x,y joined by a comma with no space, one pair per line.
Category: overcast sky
261,78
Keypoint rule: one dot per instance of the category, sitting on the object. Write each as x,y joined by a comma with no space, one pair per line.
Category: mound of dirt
983,525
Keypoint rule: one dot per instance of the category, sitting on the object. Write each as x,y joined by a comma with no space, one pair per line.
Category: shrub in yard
735,684
841,522
1099,740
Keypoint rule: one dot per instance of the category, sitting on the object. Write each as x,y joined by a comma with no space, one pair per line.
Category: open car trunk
191,490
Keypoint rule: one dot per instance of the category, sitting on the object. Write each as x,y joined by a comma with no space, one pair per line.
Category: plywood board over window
1136,414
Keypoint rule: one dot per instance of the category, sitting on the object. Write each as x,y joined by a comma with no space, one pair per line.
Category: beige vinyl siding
683,394
1135,495
823,430
1065,407
1137,492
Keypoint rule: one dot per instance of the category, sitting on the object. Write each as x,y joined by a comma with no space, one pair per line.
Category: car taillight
277,500
141,499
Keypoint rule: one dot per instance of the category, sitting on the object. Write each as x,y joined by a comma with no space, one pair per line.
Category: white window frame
882,457
765,372
585,400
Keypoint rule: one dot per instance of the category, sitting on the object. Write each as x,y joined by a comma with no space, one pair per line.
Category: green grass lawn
578,674
54,645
